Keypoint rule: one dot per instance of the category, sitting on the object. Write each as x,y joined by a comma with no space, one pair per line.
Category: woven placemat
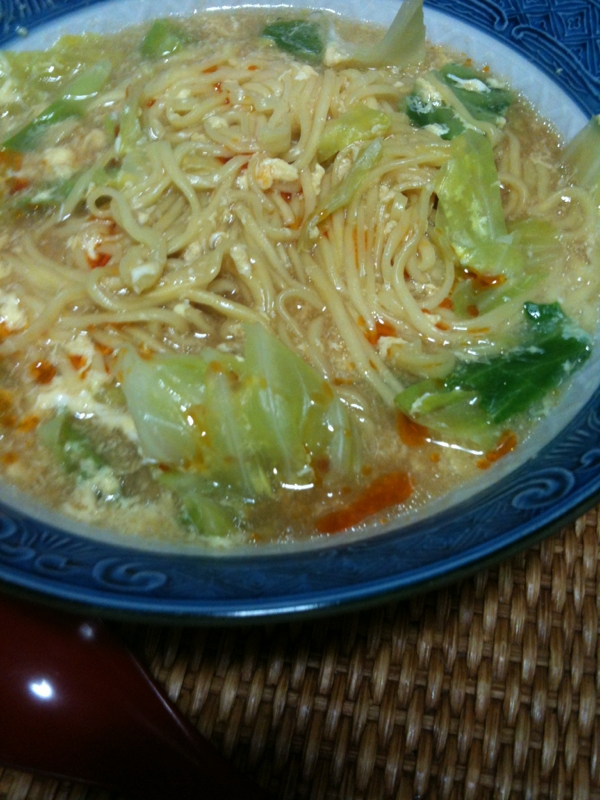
485,689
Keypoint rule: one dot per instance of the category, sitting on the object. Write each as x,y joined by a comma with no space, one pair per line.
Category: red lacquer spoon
75,703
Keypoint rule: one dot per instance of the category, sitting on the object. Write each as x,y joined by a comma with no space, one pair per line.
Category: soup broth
255,286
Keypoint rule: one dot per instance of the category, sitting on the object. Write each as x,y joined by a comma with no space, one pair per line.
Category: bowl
547,52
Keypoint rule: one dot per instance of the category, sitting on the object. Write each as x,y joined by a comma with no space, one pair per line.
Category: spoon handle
75,703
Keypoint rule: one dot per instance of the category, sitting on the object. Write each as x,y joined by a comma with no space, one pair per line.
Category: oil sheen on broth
256,286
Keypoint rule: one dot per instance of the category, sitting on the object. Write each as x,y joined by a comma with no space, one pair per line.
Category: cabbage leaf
246,427
469,213
358,124
71,102
479,396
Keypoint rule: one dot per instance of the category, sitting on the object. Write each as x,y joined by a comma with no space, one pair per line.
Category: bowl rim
540,496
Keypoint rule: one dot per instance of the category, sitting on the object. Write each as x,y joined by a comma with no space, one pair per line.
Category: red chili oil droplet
99,260
321,465
16,185
342,382
11,159
481,281
103,349
382,328
506,444
384,492
448,303
146,353
410,432
28,423
42,372
78,362
6,402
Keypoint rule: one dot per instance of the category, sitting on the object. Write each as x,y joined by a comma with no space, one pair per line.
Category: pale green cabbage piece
247,426
470,213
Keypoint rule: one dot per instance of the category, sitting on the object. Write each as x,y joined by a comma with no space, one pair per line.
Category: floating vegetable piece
510,384
486,394
209,516
540,242
72,102
582,155
456,98
541,248
403,43
130,129
158,393
469,213
452,414
67,441
163,38
341,195
33,73
438,118
357,124
53,194
247,426
483,99
48,195
470,299
302,38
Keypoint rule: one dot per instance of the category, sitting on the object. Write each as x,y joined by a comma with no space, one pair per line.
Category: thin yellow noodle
228,308
260,241
144,338
351,260
515,163
52,312
518,197
146,315
368,364
50,268
315,350
319,119
171,210
440,294
178,178
304,110
543,181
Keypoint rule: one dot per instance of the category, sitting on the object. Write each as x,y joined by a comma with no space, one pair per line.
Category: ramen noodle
266,277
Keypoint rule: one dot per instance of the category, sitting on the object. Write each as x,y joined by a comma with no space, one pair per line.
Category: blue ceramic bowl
546,486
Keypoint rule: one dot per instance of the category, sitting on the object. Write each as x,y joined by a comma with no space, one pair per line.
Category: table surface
492,682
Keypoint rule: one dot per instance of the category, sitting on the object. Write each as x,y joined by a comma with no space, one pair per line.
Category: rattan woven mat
485,689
